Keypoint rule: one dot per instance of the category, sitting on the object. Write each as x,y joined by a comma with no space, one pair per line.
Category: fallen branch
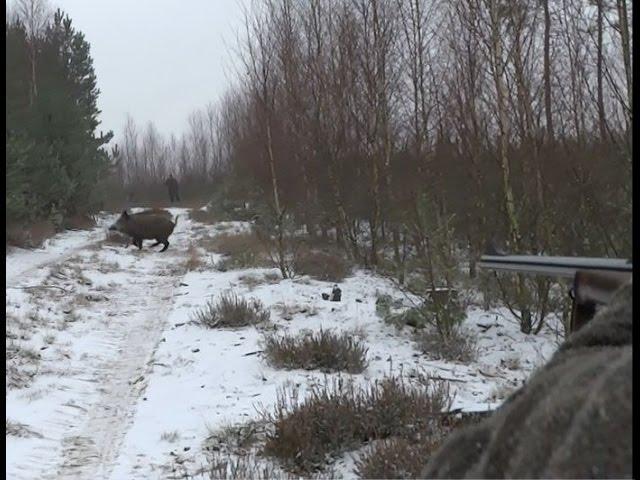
449,379
31,287
490,375
252,353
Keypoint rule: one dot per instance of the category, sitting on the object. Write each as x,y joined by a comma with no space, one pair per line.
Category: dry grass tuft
272,277
236,438
340,416
511,363
251,281
288,310
79,222
16,429
325,266
395,458
231,467
231,311
406,457
459,346
194,260
323,350
205,216
501,392
171,437
21,364
29,236
241,250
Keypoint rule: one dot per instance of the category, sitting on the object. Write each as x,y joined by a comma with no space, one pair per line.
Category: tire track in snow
85,434
90,452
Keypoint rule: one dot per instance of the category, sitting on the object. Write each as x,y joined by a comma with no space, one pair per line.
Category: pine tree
54,158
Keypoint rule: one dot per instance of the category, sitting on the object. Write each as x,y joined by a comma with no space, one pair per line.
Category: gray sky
157,59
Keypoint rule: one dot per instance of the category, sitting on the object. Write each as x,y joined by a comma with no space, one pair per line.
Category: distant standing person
172,185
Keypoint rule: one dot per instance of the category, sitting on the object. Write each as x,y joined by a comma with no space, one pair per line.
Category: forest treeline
420,127
54,156
415,132
510,119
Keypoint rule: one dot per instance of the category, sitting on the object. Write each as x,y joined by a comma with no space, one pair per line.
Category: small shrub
193,261
224,466
236,438
231,311
324,350
272,277
16,429
79,222
442,310
459,345
406,457
22,364
385,303
288,310
251,281
501,392
242,250
511,363
170,437
330,267
205,216
414,317
32,235
340,416
395,458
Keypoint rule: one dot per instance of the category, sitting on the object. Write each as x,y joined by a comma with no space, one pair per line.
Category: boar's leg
166,245
138,243
156,244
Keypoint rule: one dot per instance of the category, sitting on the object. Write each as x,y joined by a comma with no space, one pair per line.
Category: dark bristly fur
572,420
145,226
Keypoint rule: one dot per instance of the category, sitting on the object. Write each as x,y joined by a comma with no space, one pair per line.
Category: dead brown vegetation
208,217
340,416
241,250
194,259
458,346
32,235
322,265
231,311
405,457
323,350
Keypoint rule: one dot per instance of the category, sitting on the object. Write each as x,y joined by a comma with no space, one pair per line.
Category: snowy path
109,380
106,361
90,452
21,263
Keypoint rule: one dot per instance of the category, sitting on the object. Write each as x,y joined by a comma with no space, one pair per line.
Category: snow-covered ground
108,379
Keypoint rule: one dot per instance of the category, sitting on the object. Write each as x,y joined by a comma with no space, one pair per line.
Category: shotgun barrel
554,266
595,280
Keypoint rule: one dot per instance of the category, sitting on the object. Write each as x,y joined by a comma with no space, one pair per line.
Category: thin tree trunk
626,56
599,72
547,72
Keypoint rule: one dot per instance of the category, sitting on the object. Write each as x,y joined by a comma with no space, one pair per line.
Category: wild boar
155,211
145,226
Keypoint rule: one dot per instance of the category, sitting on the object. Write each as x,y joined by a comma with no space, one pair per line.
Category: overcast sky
157,59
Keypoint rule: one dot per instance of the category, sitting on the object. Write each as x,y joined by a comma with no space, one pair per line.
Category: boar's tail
175,220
